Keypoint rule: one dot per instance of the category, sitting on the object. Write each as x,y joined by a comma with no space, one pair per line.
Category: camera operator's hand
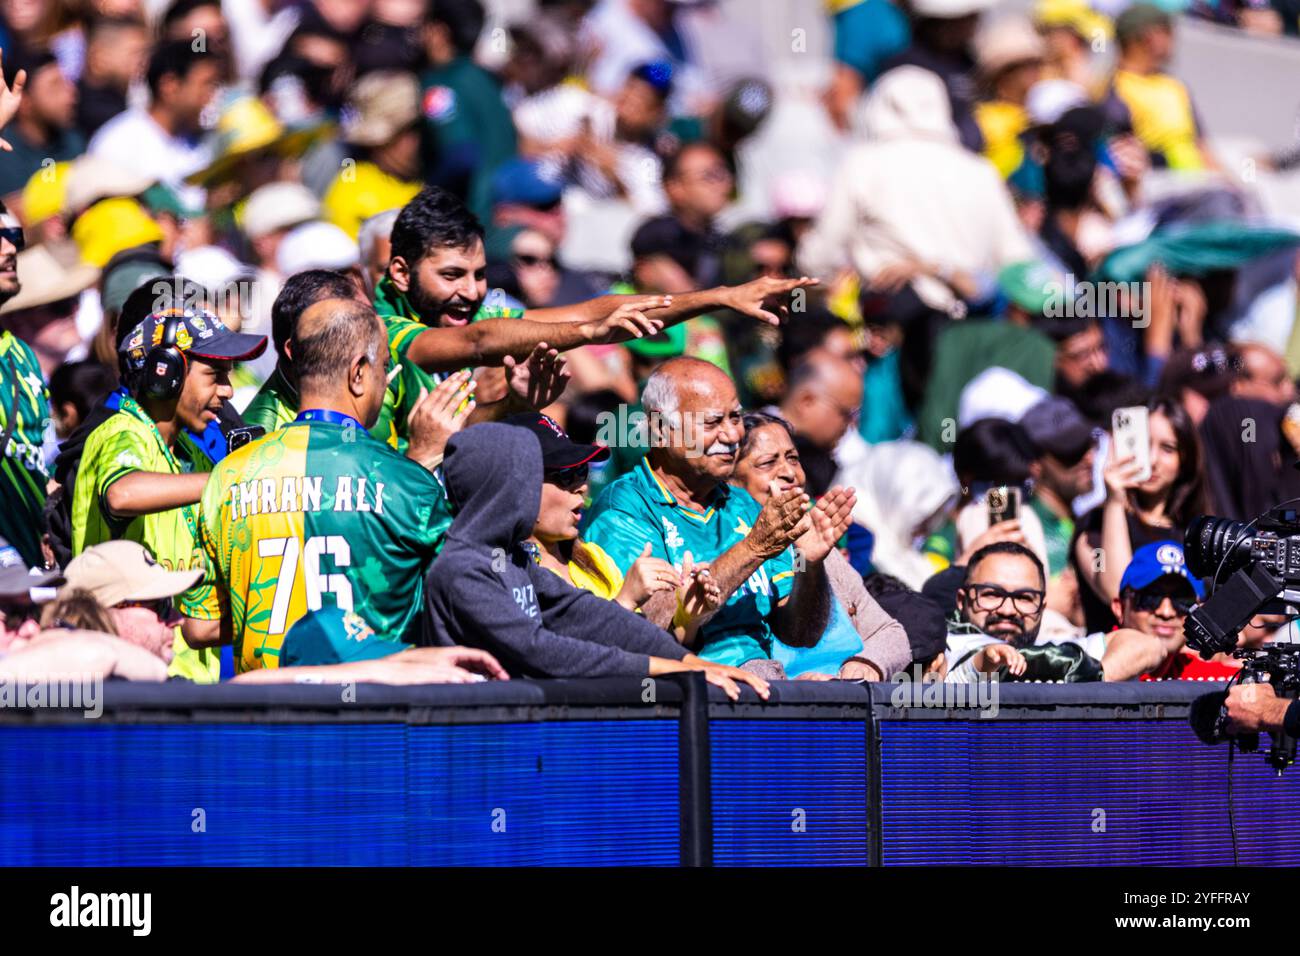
1254,707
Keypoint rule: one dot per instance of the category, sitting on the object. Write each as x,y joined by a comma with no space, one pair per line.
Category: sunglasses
163,607
526,260
567,479
15,236
1148,601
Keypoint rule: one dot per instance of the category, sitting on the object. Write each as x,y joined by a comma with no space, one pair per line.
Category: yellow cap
110,226
246,126
44,192
1075,14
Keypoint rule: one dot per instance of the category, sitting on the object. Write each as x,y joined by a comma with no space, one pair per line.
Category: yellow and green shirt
1163,118
316,514
129,441
23,475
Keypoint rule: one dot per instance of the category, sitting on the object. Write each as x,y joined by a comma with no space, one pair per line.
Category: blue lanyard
328,415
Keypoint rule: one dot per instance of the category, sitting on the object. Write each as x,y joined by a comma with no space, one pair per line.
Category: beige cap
381,106
91,179
50,272
278,206
1006,42
118,571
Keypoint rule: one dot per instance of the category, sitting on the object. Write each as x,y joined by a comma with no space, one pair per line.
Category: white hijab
899,485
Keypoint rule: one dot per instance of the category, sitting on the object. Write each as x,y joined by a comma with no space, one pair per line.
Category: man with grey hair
678,503
375,241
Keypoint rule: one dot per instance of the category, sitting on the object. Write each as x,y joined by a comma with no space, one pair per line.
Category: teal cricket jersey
637,508
23,476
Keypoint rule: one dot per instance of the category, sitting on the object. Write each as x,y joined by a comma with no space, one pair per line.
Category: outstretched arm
752,299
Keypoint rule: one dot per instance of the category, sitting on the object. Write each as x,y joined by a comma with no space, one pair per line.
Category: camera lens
1209,540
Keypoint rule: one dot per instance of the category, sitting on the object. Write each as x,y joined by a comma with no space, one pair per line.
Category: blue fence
590,773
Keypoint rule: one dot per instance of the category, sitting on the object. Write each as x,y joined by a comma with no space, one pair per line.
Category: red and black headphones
163,375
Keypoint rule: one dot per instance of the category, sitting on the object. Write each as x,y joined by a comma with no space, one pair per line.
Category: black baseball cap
559,451
1058,427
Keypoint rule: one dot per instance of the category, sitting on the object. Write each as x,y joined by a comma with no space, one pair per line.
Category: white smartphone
1132,435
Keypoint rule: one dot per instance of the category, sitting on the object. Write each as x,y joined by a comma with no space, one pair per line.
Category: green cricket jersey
129,441
25,401
276,405
403,326
637,508
317,514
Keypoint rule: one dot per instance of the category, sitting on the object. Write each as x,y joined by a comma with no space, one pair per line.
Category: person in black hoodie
486,589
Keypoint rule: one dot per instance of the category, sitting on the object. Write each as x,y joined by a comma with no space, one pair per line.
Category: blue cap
1153,561
659,74
332,636
526,182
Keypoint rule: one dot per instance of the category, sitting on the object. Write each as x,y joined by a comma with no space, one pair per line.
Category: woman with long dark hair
1138,512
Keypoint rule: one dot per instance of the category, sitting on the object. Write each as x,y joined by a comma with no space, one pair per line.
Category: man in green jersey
139,479
440,313
24,417
533,384
319,513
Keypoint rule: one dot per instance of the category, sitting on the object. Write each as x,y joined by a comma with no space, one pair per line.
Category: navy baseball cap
1151,562
559,451
333,636
200,333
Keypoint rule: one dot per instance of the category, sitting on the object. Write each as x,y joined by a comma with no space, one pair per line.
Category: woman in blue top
861,641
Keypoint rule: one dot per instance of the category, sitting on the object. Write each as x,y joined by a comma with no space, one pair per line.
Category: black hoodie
485,590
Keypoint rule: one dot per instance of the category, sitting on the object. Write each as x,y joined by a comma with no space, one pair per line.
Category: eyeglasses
525,259
15,236
163,607
990,597
568,479
1148,601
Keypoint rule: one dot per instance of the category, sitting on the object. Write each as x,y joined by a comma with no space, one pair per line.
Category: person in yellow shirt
1009,54
585,565
384,173
1156,106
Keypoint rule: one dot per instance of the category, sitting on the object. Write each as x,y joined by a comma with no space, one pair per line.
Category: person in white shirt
162,141
911,205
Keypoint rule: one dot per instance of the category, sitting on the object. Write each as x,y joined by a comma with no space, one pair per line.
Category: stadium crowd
296,383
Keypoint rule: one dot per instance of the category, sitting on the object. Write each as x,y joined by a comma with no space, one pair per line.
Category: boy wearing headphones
137,479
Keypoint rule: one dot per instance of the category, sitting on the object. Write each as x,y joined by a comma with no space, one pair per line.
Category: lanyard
329,416
131,407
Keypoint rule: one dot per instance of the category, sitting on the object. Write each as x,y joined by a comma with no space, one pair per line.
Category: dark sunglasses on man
1150,601
163,607
15,236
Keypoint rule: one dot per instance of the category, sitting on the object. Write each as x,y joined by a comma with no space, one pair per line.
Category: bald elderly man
678,501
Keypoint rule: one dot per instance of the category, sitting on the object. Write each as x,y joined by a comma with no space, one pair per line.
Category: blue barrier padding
789,792
579,792
1078,793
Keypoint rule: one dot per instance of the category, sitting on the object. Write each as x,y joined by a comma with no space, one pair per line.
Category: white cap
278,206
798,194
1049,100
211,267
316,245
997,393
950,9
